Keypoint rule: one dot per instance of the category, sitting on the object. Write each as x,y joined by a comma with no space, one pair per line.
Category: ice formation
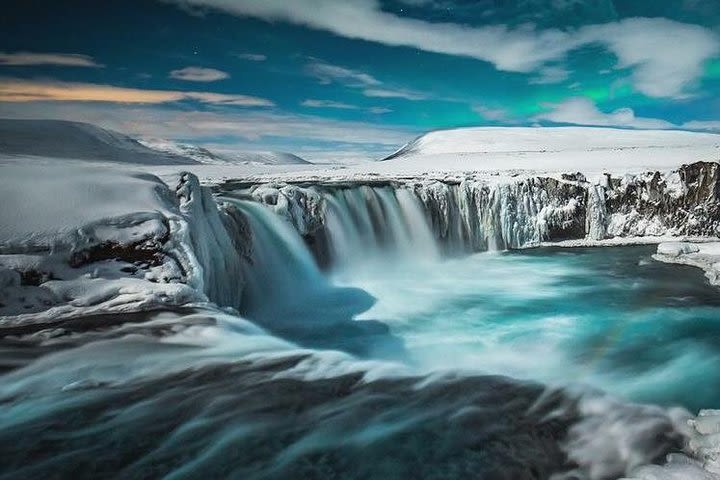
85,241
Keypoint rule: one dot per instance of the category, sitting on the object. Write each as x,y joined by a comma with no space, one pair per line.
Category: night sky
326,78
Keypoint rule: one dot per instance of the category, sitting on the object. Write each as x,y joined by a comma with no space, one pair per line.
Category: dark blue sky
321,76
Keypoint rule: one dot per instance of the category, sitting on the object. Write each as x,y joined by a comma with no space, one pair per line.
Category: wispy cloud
19,90
393,93
199,74
665,57
550,75
59,59
582,111
327,73
705,125
253,57
369,85
493,114
313,103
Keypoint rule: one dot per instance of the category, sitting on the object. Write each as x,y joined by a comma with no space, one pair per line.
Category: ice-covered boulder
675,249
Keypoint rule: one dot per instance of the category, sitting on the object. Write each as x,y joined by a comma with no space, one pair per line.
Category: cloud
228,99
492,114
706,125
327,73
371,86
253,57
393,93
199,74
21,91
582,111
549,75
665,56
417,3
312,103
58,59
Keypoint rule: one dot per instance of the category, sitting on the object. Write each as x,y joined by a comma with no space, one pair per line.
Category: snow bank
550,139
47,205
675,249
701,255
79,241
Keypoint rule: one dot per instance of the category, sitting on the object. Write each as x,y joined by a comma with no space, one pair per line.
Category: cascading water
281,270
376,222
286,293
421,219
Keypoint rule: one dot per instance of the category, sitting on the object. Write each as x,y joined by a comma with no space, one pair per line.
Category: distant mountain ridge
80,141
204,155
83,141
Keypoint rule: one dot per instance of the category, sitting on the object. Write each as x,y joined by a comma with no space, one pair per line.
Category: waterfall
371,222
596,224
422,238
473,216
286,293
421,218
348,224
279,271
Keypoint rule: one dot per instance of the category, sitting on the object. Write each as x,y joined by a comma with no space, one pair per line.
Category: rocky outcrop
303,207
684,202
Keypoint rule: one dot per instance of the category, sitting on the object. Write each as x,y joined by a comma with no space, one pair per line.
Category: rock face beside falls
478,213
118,243
684,202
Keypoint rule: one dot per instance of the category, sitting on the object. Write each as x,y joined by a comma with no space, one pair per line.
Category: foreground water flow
515,365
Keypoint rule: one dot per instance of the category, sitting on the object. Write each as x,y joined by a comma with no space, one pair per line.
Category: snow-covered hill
78,141
549,139
554,149
197,153
205,156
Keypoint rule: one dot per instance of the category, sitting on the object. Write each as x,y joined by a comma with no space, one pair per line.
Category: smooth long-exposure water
609,317
516,365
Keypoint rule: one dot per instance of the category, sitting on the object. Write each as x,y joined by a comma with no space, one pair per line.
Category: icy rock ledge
705,256
84,241
675,249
